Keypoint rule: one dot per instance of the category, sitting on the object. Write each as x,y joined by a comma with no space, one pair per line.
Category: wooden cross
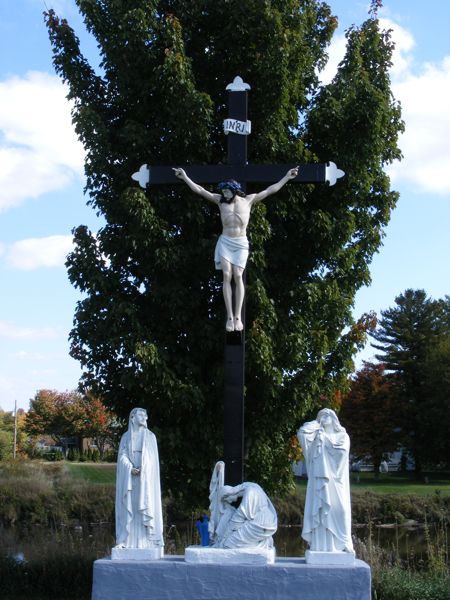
237,127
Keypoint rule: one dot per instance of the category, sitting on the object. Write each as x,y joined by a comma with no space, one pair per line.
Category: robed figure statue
250,525
327,518
139,522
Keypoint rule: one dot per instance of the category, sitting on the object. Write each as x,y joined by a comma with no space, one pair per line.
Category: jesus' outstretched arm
275,187
198,189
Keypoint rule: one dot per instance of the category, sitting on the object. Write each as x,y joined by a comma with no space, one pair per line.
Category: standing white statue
250,525
327,519
232,246
139,523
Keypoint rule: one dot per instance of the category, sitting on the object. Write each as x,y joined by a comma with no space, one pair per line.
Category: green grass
386,483
92,473
398,483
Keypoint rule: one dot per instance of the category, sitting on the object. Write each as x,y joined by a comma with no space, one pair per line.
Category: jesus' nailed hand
232,246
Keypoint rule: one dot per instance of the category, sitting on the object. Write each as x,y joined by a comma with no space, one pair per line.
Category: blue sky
41,183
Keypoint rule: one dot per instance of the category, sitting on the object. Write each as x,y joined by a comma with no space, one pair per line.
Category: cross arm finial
238,85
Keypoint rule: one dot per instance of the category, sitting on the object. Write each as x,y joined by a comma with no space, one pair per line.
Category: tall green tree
436,401
149,329
414,339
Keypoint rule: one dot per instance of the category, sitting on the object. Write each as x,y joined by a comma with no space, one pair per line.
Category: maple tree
148,329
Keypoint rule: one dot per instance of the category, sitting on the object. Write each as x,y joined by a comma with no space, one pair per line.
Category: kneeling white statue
252,524
327,518
139,524
237,535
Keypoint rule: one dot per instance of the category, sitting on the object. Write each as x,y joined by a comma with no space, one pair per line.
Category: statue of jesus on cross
232,246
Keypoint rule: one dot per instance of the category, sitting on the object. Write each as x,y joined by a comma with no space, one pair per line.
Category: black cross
237,127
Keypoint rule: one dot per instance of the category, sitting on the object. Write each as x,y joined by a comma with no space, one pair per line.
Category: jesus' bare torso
235,217
232,247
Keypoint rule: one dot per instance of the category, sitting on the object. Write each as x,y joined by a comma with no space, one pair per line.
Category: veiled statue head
328,415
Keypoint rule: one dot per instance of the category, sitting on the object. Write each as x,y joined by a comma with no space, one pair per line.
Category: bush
45,495
403,584
110,456
6,444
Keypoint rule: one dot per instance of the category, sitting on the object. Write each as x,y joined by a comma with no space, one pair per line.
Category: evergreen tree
413,338
149,329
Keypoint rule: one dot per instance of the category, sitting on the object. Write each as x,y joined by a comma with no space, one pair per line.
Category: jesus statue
232,246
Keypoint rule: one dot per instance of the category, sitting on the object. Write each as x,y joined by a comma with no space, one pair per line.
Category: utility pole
15,430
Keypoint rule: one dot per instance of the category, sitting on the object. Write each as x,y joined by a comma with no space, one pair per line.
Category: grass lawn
387,483
94,473
397,483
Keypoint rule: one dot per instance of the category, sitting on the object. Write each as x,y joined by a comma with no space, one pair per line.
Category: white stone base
137,553
329,558
229,556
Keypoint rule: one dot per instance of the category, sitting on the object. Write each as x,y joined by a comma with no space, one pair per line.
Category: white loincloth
234,250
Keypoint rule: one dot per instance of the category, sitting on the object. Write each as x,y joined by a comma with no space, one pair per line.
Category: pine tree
148,331
413,338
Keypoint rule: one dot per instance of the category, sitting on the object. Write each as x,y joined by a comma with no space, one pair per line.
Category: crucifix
234,208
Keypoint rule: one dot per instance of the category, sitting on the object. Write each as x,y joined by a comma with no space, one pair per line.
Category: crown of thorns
231,184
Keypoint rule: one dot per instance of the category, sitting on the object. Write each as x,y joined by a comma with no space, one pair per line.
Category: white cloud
17,332
33,253
336,53
6,384
404,44
425,146
39,151
25,355
423,90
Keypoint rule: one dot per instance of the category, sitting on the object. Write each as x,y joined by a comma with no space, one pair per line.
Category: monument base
229,556
172,577
329,558
137,553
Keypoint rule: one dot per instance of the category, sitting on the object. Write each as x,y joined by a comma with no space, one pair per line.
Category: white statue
139,522
232,246
327,519
250,525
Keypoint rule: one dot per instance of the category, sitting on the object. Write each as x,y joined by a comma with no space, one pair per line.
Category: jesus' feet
230,324
238,325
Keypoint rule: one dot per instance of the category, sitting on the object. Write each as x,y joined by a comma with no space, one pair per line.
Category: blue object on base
203,531
171,578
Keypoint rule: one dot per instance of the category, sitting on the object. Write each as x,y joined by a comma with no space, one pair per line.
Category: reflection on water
34,542
403,541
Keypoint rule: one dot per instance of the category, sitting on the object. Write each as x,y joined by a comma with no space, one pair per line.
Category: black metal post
234,367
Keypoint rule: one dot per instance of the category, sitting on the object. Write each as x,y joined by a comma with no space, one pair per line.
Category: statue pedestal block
137,553
329,558
172,577
229,556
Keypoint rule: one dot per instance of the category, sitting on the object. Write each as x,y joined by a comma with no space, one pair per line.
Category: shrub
403,584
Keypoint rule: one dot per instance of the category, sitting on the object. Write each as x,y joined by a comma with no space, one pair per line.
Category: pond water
35,542
406,543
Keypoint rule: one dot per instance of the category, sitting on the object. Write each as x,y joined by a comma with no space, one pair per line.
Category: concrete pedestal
229,556
137,553
329,558
172,577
